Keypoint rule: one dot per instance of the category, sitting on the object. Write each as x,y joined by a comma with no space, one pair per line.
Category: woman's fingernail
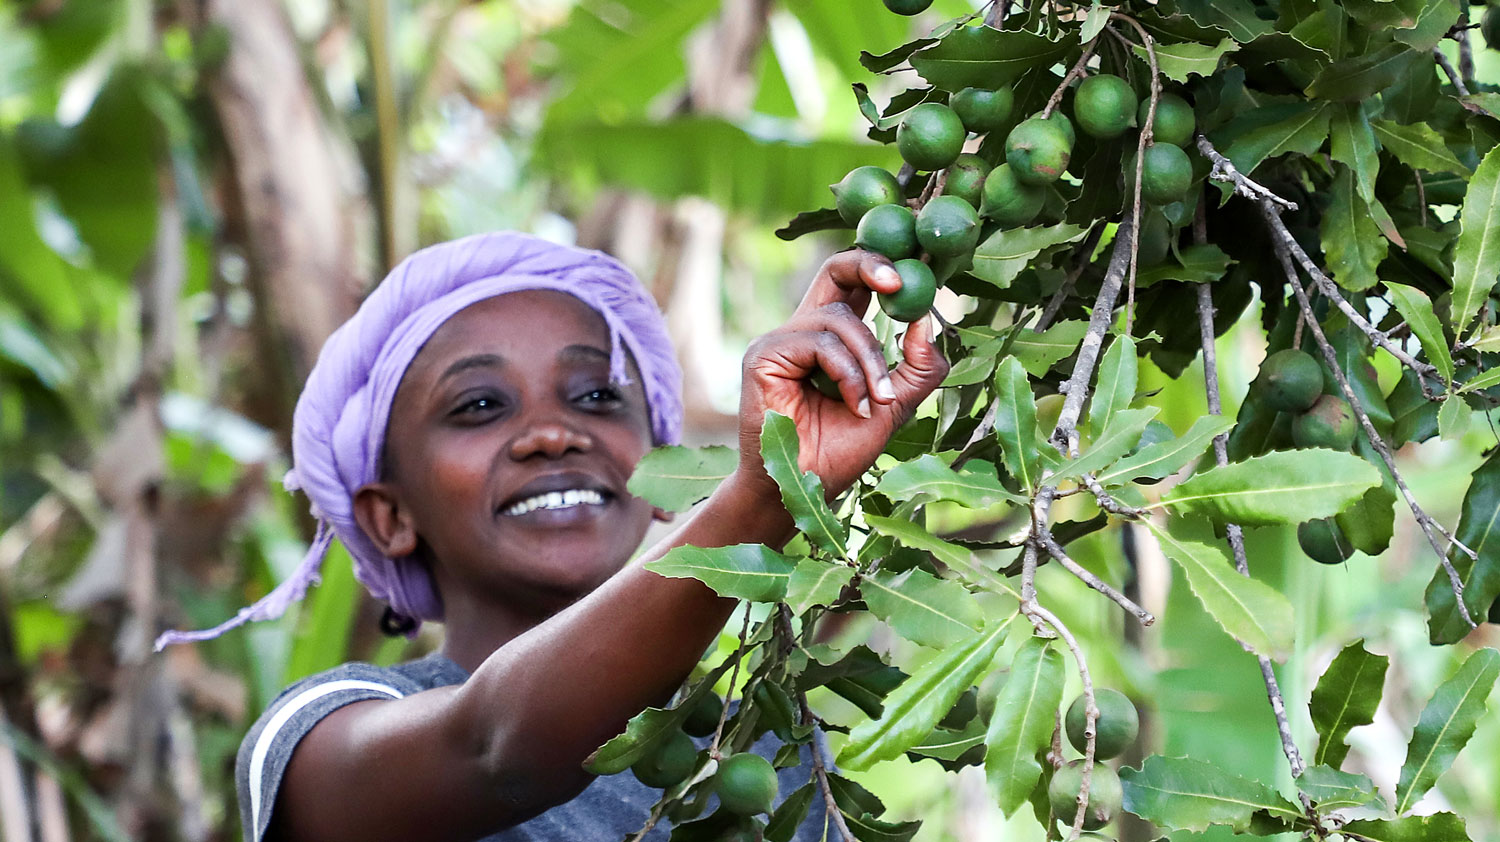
887,275
885,390
864,407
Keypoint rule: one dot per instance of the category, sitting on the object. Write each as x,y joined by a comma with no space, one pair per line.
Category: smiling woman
468,436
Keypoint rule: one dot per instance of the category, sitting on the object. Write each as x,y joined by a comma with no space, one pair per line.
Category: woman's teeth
556,500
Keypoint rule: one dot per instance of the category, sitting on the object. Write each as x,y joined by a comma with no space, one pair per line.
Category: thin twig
1225,170
1465,48
1074,72
734,675
995,16
1039,615
1142,144
1449,70
1054,549
1076,388
830,805
1081,261
1107,502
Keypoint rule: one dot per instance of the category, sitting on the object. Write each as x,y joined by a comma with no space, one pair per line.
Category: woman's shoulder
268,745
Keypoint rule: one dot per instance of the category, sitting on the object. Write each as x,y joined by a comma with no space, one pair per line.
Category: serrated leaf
825,219
744,571
1236,17
1416,308
1446,725
815,582
1480,382
1351,141
1431,25
1418,146
1167,457
1331,789
927,478
801,491
1118,373
1251,611
914,708
1038,352
1179,61
676,477
1022,722
1003,256
1351,240
955,557
1094,22
788,817
1287,486
921,607
1183,794
1363,76
1476,256
1116,441
1479,530
887,60
985,57
1438,827
1345,698
1015,423
949,745
1453,418
1277,130
643,733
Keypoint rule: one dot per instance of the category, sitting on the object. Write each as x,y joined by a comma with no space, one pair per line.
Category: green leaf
1351,240
789,815
927,478
955,557
1480,382
1346,697
1453,418
801,491
1038,352
1476,257
1195,264
1235,17
1438,827
1179,61
1331,789
1116,441
1287,486
921,607
1253,612
1182,794
815,582
1117,381
1363,76
1166,457
676,477
1416,308
1418,146
1007,252
1015,423
1431,25
1022,722
984,57
744,571
1276,130
1446,725
1479,530
645,731
914,708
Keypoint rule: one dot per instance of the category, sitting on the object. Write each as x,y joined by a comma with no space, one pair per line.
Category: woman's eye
603,396
476,405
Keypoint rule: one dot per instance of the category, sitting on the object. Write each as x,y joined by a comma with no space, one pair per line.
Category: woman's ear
379,512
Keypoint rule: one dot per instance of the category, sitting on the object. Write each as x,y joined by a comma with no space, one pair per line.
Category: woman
468,435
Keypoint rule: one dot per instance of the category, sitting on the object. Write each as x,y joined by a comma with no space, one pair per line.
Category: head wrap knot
338,429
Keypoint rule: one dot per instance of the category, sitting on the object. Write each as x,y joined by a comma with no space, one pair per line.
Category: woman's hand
839,438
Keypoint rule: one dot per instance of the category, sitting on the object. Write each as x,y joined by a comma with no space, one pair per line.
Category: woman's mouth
569,498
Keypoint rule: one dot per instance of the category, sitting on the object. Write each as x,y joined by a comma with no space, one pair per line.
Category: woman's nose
551,439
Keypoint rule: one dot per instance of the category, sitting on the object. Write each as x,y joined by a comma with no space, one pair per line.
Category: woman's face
509,449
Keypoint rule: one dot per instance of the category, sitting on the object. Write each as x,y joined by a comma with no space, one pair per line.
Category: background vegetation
194,192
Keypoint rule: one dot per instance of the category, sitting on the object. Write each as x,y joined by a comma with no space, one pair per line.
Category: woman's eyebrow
473,361
582,353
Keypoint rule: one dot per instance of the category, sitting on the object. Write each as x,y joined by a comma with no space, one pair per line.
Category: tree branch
821,773
1040,616
1054,549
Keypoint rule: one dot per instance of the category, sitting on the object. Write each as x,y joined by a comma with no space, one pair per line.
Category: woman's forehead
525,324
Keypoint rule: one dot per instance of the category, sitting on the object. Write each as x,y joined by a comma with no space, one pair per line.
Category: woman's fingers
793,356
922,368
840,319
849,277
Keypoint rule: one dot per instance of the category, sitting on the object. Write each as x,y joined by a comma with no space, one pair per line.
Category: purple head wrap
338,429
